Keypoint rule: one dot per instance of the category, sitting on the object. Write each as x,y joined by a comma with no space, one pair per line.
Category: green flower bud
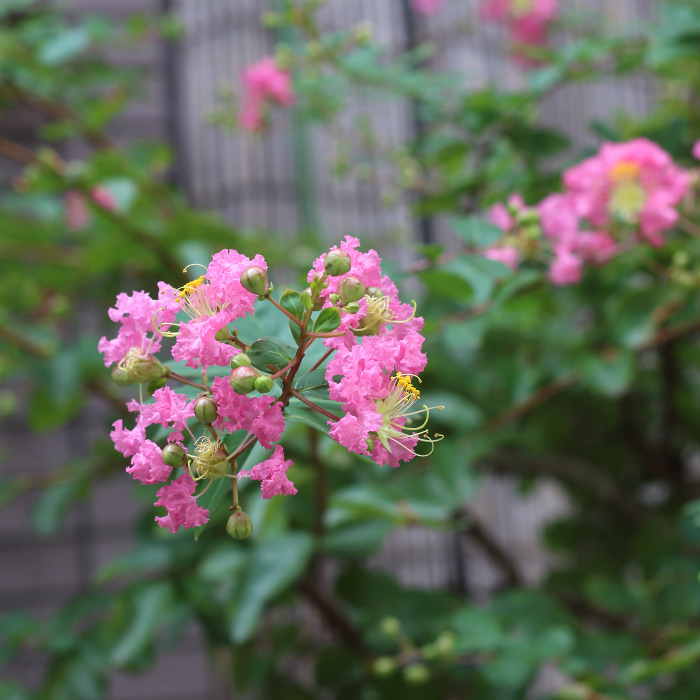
222,334
370,444
173,455
384,666
205,410
141,367
254,279
156,384
430,652
375,292
240,360
445,643
239,526
243,379
390,626
264,384
351,289
335,298
528,217
337,262
352,308
121,376
306,298
416,674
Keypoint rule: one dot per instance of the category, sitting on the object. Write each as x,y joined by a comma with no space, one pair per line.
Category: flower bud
351,289
306,299
375,292
205,410
141,367
121,376
222,334
390,626
254,279
264,384
370,444
156,384
352,308
173,455
337,262
240,360
243,379
335,298
239,526
416,674
384,666
527,217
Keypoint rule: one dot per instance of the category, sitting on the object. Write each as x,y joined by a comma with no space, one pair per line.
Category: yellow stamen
624,171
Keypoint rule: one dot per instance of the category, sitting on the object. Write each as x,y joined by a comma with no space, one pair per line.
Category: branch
312,405
557,386
334,617
500,556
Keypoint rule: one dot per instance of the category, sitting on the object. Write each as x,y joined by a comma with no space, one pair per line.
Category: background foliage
595,386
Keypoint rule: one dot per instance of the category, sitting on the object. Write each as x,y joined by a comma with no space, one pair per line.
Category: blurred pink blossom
263,82
427,7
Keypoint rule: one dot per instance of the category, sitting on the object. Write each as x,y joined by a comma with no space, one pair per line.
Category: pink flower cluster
627,193
264,82
206,305
527,20
77,212
384,340
378,353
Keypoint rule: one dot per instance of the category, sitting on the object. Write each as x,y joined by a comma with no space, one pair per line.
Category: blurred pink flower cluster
527,20
77,210
264,83
427,7
627,193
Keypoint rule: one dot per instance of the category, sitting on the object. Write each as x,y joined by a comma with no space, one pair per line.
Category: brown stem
288,314
326,355
15,152
182,380
532,401
25,344
314,406
495,551
556,387
334,617
279,373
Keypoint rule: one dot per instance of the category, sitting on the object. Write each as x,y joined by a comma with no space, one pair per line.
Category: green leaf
476,232
143,560
328,320
477,630
64,46
313,383
291,301
609,375
270,351
149,607
479,272
53,505
275,564
298,412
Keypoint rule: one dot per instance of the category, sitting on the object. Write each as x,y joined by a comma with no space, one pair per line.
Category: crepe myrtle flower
207,427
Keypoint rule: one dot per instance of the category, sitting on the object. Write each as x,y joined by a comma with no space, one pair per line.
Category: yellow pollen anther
189,288
624,171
